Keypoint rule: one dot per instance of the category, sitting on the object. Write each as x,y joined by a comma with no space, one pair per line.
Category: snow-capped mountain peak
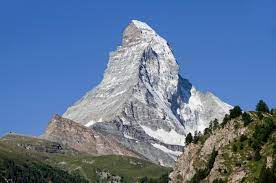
143,102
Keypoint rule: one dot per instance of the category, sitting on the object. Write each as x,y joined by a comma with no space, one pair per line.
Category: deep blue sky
52,52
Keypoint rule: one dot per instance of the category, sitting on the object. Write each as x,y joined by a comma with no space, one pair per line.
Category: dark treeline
31,172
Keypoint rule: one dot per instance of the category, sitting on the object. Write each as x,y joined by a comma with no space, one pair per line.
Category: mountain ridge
144,101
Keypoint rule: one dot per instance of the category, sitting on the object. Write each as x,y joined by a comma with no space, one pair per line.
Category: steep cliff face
196,156
235,160
143,102
83,139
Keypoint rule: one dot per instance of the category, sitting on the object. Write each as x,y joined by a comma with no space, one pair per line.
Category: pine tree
211,125
207,131
225,120
189,138
262,107
196,136
246,118
215,124
212,159
235,112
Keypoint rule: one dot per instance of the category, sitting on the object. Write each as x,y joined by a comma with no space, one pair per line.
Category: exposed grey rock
143,102
269,162
237,175
84,139
184,168
196,156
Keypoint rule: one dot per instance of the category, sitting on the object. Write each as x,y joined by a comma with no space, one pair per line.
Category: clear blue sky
52,52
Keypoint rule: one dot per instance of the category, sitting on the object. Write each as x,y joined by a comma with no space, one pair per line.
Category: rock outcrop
143,102
83,139
196,156
241,149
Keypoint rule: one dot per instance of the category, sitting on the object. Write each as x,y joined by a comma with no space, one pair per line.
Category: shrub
189,138
199,175
218,181
246,119
274,148
241,146
212,158
243,138
144,180
274,166
225,120
257,155
250,141
262,133
203,173
234,148
211,125
207,131
235,112
260,115
262,107
215,124
196,137
163,179
266,175
236,125
273,112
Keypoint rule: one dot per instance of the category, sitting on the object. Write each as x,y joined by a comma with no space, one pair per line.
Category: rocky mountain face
236,159
142,102
83,139
195,156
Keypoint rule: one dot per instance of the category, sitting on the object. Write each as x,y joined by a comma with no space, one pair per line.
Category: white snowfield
171,137
142,89
163,148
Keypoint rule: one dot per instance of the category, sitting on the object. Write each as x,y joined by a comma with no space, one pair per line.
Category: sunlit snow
171,137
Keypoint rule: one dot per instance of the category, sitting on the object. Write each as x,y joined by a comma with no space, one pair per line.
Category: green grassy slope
20,166
28,151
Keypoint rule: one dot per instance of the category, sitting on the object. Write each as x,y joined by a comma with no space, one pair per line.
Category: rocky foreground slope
143,102
234,152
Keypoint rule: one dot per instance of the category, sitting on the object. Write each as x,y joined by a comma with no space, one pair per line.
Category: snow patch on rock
166,150
90,123
167,137
142,87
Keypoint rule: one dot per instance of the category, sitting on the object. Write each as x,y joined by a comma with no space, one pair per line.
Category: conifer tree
262,107
189,138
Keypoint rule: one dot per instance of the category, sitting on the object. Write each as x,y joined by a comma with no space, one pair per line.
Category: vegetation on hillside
253,152
20,166
24,159
201,174
21,162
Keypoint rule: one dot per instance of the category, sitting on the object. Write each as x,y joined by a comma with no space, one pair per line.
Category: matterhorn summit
142,102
